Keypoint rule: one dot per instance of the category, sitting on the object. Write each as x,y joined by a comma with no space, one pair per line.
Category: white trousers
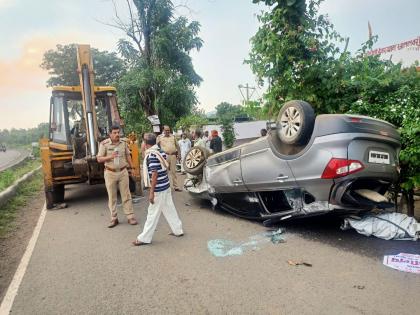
163,203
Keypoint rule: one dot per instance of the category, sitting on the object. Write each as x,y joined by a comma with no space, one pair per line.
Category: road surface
10,157
81,267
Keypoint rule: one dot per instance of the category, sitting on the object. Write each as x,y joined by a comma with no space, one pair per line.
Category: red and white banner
406,52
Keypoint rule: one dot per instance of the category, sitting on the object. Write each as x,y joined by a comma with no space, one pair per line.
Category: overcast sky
29,28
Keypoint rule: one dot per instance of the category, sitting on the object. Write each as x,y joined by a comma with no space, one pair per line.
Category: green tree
186,122
228,131
226,109
295,50
255,110
61,64
161,78
24,136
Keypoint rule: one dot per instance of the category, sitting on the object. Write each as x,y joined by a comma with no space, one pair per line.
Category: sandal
138,243
176,235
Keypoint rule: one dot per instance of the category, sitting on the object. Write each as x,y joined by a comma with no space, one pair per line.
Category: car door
223,172
264,171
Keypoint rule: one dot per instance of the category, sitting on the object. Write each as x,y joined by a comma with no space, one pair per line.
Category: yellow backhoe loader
80,118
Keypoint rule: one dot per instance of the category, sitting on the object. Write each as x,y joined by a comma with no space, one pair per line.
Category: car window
228,156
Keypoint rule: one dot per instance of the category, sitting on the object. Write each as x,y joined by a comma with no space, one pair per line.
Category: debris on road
224,248
276,237
388,226
359,287
403,262
297,263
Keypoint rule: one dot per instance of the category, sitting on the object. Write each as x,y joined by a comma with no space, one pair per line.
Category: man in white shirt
184,146
206,139
198,139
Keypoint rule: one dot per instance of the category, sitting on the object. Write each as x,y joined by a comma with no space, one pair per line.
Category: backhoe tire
58,193
296,122
195,159
54,196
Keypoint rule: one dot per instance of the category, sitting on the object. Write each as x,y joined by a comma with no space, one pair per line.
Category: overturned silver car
306,165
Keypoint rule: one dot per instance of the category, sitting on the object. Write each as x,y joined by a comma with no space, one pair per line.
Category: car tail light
355,119
341,167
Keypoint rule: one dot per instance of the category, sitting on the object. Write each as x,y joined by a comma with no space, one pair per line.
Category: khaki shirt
106,148
169,144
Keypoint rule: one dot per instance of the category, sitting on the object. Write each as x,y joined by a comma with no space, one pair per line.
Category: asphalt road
10,157
81,267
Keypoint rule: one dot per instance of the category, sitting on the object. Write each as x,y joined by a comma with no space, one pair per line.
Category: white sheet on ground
389,226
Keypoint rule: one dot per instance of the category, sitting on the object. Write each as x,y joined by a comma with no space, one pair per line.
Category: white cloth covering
153,150
163,203
388,226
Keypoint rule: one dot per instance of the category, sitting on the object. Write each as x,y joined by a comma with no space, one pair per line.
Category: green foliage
228,131
61,64
226,109
161,77
9,176
19,137
226,114
255,110
394,95
186,122
295,49
25,193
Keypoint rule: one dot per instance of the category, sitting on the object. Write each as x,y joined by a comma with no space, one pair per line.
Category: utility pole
249,91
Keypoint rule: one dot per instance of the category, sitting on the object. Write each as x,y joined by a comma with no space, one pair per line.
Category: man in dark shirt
160,196
216,142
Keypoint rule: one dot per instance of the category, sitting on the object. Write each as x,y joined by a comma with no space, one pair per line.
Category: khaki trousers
114,180
172,171
163,204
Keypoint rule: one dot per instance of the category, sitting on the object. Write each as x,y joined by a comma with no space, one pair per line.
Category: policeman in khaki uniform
114,150
169,145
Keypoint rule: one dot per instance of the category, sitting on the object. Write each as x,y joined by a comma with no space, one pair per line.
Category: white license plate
379,157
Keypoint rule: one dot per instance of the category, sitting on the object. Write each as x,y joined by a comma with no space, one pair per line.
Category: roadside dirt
13,244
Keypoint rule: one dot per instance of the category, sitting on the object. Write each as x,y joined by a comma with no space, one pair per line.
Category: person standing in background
167,142
184,146
198,140
215,142
206,139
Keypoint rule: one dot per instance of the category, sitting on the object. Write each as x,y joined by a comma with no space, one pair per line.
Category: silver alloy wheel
291,122
193,158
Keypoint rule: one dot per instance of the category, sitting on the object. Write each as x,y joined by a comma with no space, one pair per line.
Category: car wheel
296,121
194,160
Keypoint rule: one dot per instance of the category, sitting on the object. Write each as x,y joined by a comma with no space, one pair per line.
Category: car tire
195,159
296,122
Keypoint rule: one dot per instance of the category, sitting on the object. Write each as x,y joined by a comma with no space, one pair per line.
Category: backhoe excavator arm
86,75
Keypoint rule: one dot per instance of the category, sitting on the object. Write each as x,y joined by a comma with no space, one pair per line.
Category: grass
9,211
8,176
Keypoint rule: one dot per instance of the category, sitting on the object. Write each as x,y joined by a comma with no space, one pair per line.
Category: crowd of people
160,157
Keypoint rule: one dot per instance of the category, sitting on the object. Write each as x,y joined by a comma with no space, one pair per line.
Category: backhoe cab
80,118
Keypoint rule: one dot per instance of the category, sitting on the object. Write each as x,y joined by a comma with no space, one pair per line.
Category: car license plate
379,157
